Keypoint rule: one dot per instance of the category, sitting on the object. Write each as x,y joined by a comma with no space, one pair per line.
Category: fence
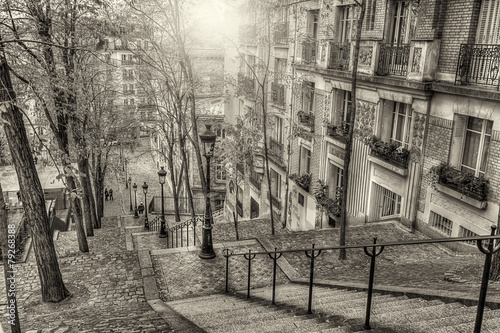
179,234
184,206
374,250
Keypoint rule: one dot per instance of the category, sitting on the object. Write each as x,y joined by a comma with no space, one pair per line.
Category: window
124,58
221,133
220,172
304,160
441,224
464,232
275,184
488,28
342,108
251,66
277,129
307,96
312,24
371,9
132,101
301,200
347,23
334,179
279,69
401,124
401,22
471,141
125,101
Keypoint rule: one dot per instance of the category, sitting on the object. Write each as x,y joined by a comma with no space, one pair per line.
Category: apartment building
427,93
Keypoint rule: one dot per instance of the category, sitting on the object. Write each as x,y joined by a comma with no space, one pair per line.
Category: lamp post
208,138
130,191
145,190
135,194
126,170
161,175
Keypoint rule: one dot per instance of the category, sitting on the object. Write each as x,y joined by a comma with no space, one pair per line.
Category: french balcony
390,152
278,93
281,33
303,180
339,55
275,202
479,64
247,85
338,132
306,119
309,52
393,59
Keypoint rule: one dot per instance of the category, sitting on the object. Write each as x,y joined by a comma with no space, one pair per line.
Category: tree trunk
170,163
9,270
348,146
182,146
98,186
83,167
52,285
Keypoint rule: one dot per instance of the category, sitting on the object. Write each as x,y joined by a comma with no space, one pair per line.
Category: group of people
108,195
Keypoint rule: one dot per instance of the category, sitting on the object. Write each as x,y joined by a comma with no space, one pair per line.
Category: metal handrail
180,227
314,252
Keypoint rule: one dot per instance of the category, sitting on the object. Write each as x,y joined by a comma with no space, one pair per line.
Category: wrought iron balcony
281,32
307,119
278,93
276,202
275,148
338,131
246,84
389,152
309,49
393,59
479,64
255,182
340,55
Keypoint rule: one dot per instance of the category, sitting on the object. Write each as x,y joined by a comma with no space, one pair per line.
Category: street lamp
145,190
126,170
130,191
161,175
208,138
135,193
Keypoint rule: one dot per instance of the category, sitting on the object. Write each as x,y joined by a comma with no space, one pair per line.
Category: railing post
311,277
176,237
249,258
227,253
372,255
182,236
187,233
274,257
486,274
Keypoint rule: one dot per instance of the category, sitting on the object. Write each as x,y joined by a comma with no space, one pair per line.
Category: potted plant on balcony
304,117
330,205
391,151
303,180
462,182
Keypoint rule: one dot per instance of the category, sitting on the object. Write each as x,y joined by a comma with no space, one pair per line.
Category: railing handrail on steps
313,253
185,224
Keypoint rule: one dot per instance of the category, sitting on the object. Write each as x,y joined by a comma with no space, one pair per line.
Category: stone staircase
334,310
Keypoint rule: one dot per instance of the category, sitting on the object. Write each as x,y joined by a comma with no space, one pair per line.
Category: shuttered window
488,29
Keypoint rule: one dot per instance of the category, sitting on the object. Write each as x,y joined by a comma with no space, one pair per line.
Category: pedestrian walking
106,194
111,194
141,208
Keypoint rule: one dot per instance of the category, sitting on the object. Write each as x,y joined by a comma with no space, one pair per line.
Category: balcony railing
255,182
399,160
393,59
281,32
340,55
278,93
307,119
337,131
479,64
275,202
309,49
239,207
275,148
128,62
246,84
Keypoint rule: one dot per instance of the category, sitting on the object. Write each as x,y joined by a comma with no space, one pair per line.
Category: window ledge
388,165
462,197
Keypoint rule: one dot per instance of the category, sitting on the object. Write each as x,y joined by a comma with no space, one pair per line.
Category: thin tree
51,282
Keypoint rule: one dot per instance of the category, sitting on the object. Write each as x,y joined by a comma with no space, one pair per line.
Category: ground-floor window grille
464,232
441,224
390,203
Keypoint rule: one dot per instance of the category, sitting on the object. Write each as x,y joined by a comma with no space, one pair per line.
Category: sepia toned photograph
248,166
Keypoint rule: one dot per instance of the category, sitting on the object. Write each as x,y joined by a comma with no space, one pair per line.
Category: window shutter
456,152
489,25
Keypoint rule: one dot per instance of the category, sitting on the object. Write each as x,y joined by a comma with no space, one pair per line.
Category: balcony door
401,23
347,21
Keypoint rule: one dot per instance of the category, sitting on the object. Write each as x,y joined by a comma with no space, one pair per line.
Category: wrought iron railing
479,64
393,59
372,251
337,131
276,202
155,224
275,148
277,93
281,32
340,55
176,234
255,182
309,49
400,160
306,118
